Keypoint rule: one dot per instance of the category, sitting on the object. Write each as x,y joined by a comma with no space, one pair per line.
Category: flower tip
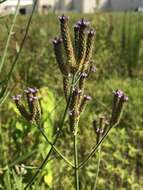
91,32
76,27
16,97
63,18
57,40
118,93
31,90
83,23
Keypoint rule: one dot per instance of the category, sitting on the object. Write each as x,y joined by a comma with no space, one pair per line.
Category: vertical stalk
9,36
98,166
76,162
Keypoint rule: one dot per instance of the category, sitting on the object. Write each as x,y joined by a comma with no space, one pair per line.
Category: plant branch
95,148
98,166
55,149
55,140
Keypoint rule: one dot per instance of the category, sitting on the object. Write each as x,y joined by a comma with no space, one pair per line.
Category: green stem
21,47
76,163
95,148
98,166
56,138
55,149
9,36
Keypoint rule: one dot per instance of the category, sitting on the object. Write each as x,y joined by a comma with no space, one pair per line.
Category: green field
118,57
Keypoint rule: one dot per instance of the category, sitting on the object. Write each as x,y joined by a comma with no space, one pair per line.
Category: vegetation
118,56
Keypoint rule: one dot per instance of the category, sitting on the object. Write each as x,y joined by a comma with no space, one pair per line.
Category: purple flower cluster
120,94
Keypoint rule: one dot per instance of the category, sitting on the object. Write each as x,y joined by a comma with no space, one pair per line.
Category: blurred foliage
118,57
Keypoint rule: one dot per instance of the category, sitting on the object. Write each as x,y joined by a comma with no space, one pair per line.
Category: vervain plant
75,64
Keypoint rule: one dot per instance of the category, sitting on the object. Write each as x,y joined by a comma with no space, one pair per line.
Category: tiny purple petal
57,40
63,18
84,74
31,99
83,23
76,27
31,90
78,91
118,93
70,113
91,32
87,97
17,97
97,130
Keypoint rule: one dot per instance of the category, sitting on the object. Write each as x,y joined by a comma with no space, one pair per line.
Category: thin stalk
9,36
55,149
98,166
76,163
55,140
95,148
21,46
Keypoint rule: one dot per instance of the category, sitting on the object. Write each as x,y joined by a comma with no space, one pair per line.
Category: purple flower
63,18
91,32
87,97
118,93
16,98
76,90
57,40
32,99
76,27
83,23
31,90
84,75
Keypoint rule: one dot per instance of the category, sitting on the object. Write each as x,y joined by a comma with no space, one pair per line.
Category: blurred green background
118,57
